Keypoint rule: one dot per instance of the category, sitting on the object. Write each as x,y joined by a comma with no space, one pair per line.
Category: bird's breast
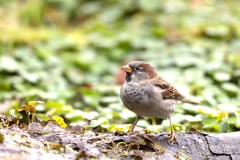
139,100
133,94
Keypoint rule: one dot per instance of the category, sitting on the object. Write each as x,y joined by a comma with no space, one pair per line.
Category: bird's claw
130,133
172,138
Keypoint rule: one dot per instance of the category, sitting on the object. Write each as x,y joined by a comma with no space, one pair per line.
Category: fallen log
51,141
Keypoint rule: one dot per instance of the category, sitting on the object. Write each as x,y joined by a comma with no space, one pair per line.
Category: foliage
60,121
67,53
24,112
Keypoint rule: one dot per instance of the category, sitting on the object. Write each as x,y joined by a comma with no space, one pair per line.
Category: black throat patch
128,77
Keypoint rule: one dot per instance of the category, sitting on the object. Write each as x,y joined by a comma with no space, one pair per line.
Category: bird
148,95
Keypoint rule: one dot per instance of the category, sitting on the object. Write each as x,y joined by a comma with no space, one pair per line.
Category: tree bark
223,146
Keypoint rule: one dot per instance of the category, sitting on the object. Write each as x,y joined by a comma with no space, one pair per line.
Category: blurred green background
67,53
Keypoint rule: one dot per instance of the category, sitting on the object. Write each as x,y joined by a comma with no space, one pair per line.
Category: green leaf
153,6
33,103
8,64
211,124
59,121
237,122
231,87
98,122
222,76
217,31
15,114
228,108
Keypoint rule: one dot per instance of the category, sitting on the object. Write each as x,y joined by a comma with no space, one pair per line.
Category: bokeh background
67,53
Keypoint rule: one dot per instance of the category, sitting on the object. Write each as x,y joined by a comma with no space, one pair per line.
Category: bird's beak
127,69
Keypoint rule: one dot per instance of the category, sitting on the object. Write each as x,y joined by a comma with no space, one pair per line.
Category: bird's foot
172,138
130,133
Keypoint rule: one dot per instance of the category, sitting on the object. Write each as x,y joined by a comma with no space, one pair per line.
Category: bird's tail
190,101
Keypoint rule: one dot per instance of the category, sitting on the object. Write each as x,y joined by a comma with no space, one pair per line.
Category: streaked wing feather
169,91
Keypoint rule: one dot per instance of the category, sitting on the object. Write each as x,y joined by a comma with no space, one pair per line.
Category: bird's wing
169,91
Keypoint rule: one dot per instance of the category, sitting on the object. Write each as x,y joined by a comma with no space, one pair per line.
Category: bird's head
138,71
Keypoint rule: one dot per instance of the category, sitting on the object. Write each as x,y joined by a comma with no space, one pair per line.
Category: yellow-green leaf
60,121
33,103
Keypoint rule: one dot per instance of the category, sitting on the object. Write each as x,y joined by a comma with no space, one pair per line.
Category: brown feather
190,101
169,91
149,69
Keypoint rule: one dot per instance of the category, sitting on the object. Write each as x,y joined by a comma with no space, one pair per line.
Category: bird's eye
137,68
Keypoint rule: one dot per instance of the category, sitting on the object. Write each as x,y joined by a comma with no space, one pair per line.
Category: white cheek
133,77
135,81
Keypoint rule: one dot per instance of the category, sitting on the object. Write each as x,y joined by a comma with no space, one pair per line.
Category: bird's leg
172,136
133,126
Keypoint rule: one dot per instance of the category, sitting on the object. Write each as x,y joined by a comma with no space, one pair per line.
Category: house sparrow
148,95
